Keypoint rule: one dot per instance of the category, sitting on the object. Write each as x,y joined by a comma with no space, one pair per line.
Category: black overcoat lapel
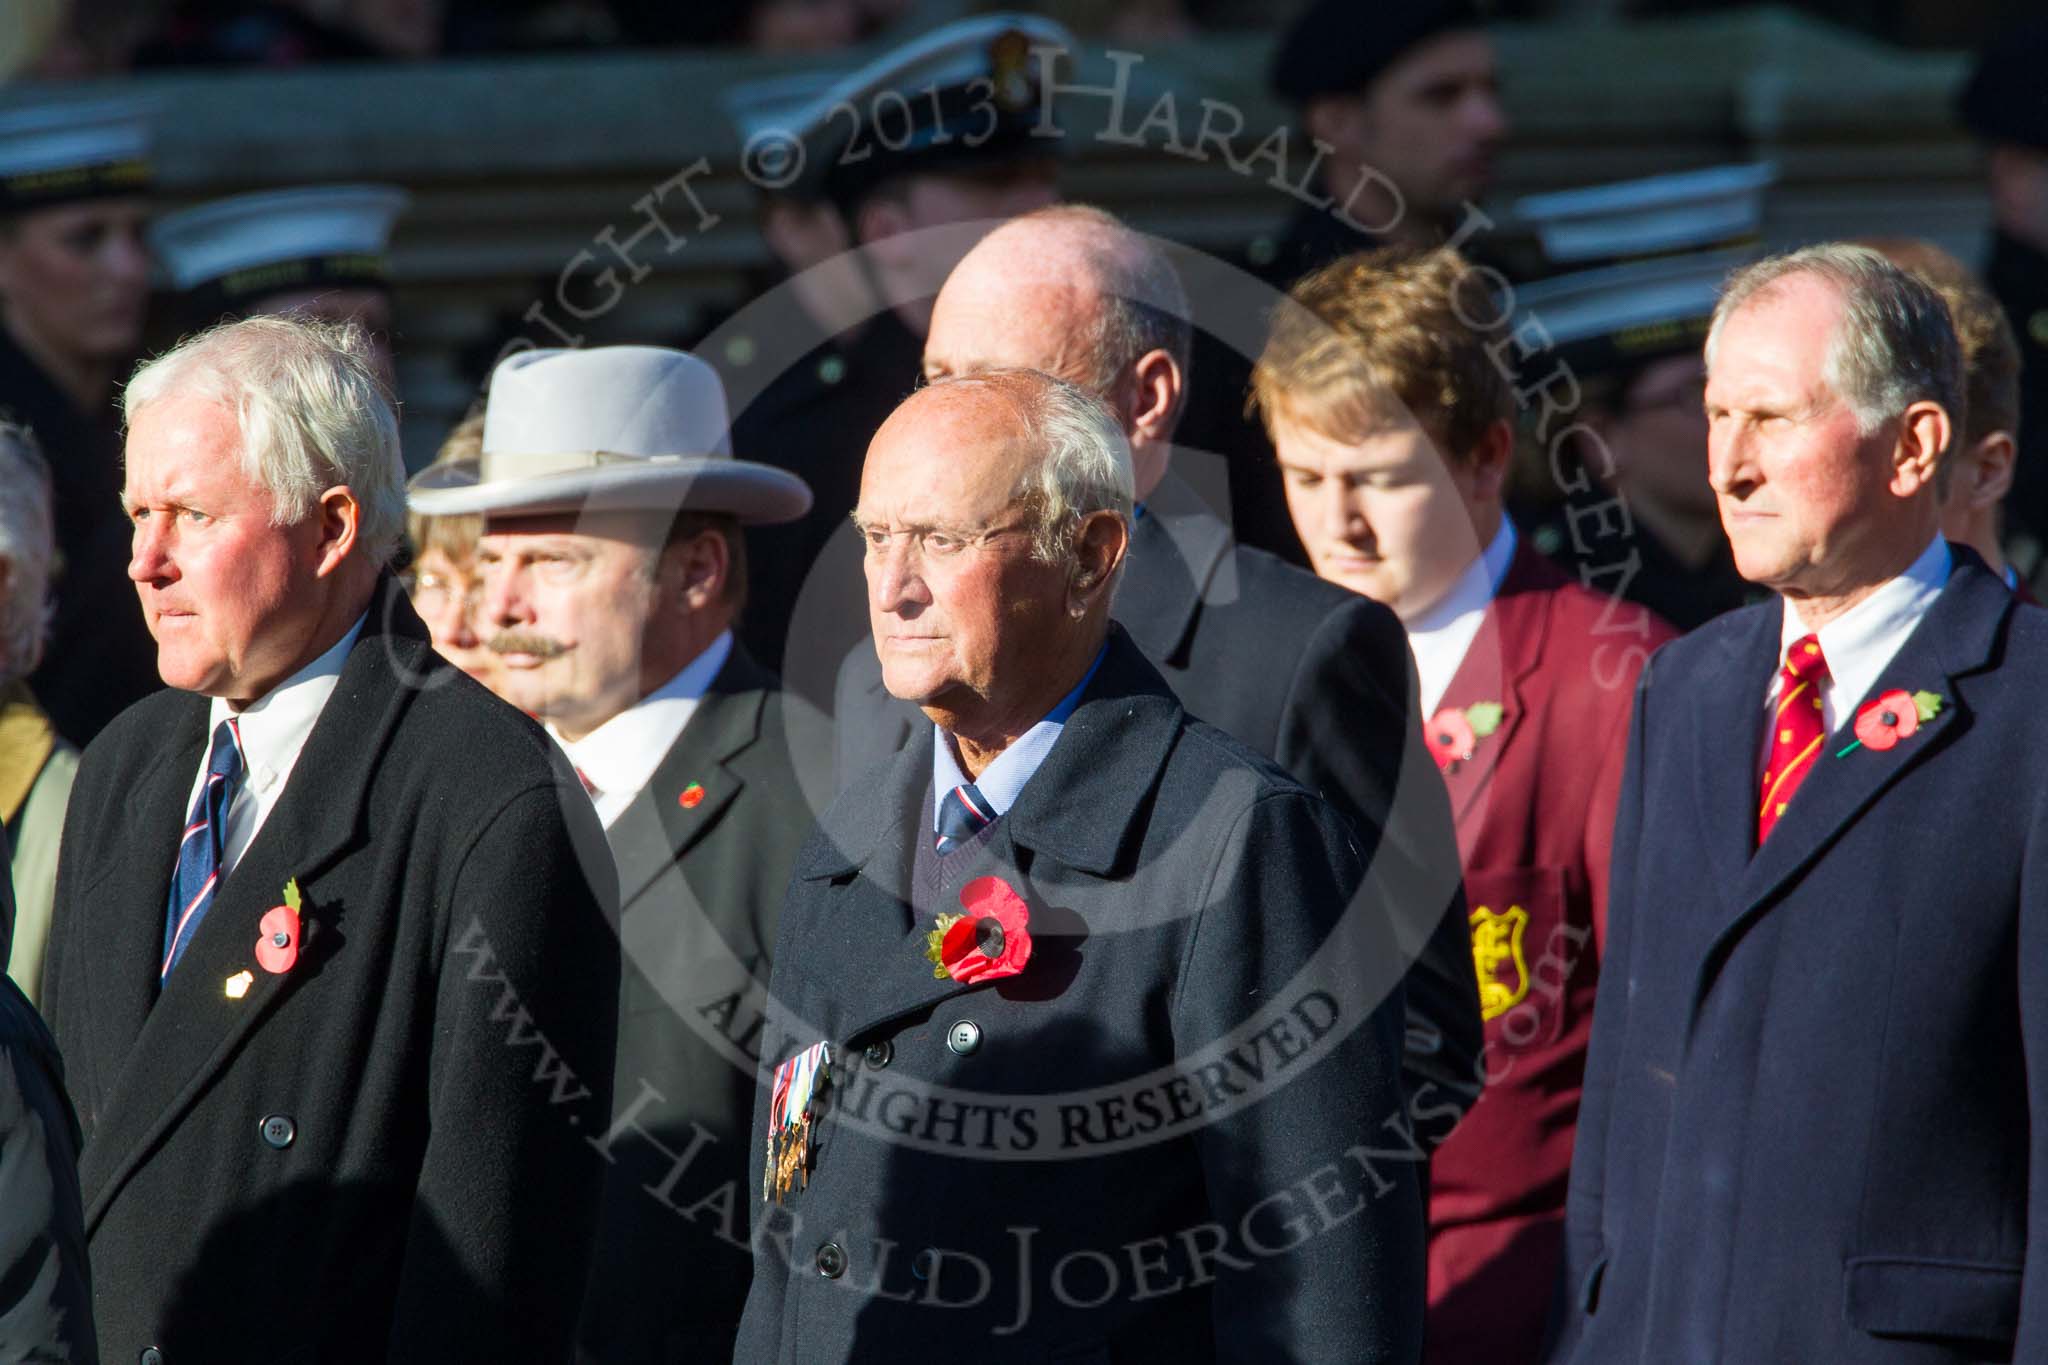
1955,639
195,1027
1727,730
1178,558
1108,759
123,977
694,783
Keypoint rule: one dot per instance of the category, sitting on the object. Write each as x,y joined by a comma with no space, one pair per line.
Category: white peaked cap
215,240
51,152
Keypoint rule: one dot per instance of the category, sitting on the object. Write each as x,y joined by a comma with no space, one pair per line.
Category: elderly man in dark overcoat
611,588
1084,1050
1813,1125
1309,674
330,918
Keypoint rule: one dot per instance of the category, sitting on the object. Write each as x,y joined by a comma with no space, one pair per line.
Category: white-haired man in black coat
330,919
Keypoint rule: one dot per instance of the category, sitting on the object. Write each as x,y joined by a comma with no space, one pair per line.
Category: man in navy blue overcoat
1814,1103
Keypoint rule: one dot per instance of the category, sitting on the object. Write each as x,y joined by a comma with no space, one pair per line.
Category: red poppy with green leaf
1894,716
277,944
989,941
1454,733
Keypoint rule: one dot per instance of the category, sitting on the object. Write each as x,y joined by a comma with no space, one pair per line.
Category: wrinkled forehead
1008,309
181,447
1779,337
1806,303
589,532
946,458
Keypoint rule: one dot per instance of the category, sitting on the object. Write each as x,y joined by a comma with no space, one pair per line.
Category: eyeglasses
433,592
935,544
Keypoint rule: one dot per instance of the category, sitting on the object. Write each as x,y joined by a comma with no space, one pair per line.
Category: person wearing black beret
1406,97
1401,95
2003,105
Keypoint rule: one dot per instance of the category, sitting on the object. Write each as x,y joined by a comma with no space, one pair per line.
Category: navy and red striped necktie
963,814
199,853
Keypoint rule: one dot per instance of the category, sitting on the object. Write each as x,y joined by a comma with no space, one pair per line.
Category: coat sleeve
1584,1249
520,1077
1317,1179
1344,736
2031,1340
62,997
45,1285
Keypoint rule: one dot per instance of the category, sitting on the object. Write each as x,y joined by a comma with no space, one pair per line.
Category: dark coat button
151,1356
278,1130
831,1261
879,1054
964,1037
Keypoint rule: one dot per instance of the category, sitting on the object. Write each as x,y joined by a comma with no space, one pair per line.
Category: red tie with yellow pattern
1797,731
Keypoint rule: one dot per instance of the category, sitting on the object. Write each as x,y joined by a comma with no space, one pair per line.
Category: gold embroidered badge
1497,957
1009,77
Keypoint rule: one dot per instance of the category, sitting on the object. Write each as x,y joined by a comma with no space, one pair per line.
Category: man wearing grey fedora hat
613,571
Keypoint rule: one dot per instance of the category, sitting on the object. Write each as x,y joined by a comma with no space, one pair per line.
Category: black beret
2006,97
1338,46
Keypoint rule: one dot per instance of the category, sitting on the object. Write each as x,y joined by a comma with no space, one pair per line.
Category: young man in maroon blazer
1394,428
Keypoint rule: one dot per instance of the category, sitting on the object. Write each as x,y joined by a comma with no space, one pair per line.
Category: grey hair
1144,305
28,544
1085,464
311,411
1895,345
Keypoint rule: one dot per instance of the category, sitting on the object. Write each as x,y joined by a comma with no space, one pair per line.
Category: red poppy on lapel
1454,733
990,941
692,796
277,944
1896,715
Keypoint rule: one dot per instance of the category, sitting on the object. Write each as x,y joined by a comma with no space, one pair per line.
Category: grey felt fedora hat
608,428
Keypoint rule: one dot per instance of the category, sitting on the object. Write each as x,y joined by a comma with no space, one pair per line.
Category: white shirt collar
619,757
274,727
1860,642
273,730
1441,635
1003,780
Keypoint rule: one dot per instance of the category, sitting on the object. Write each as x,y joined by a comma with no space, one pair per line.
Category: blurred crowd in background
103,37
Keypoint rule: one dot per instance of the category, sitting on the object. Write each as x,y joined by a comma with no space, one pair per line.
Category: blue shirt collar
1003,780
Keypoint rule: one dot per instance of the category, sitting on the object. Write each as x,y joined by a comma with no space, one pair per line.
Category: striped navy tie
964,813
198,873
